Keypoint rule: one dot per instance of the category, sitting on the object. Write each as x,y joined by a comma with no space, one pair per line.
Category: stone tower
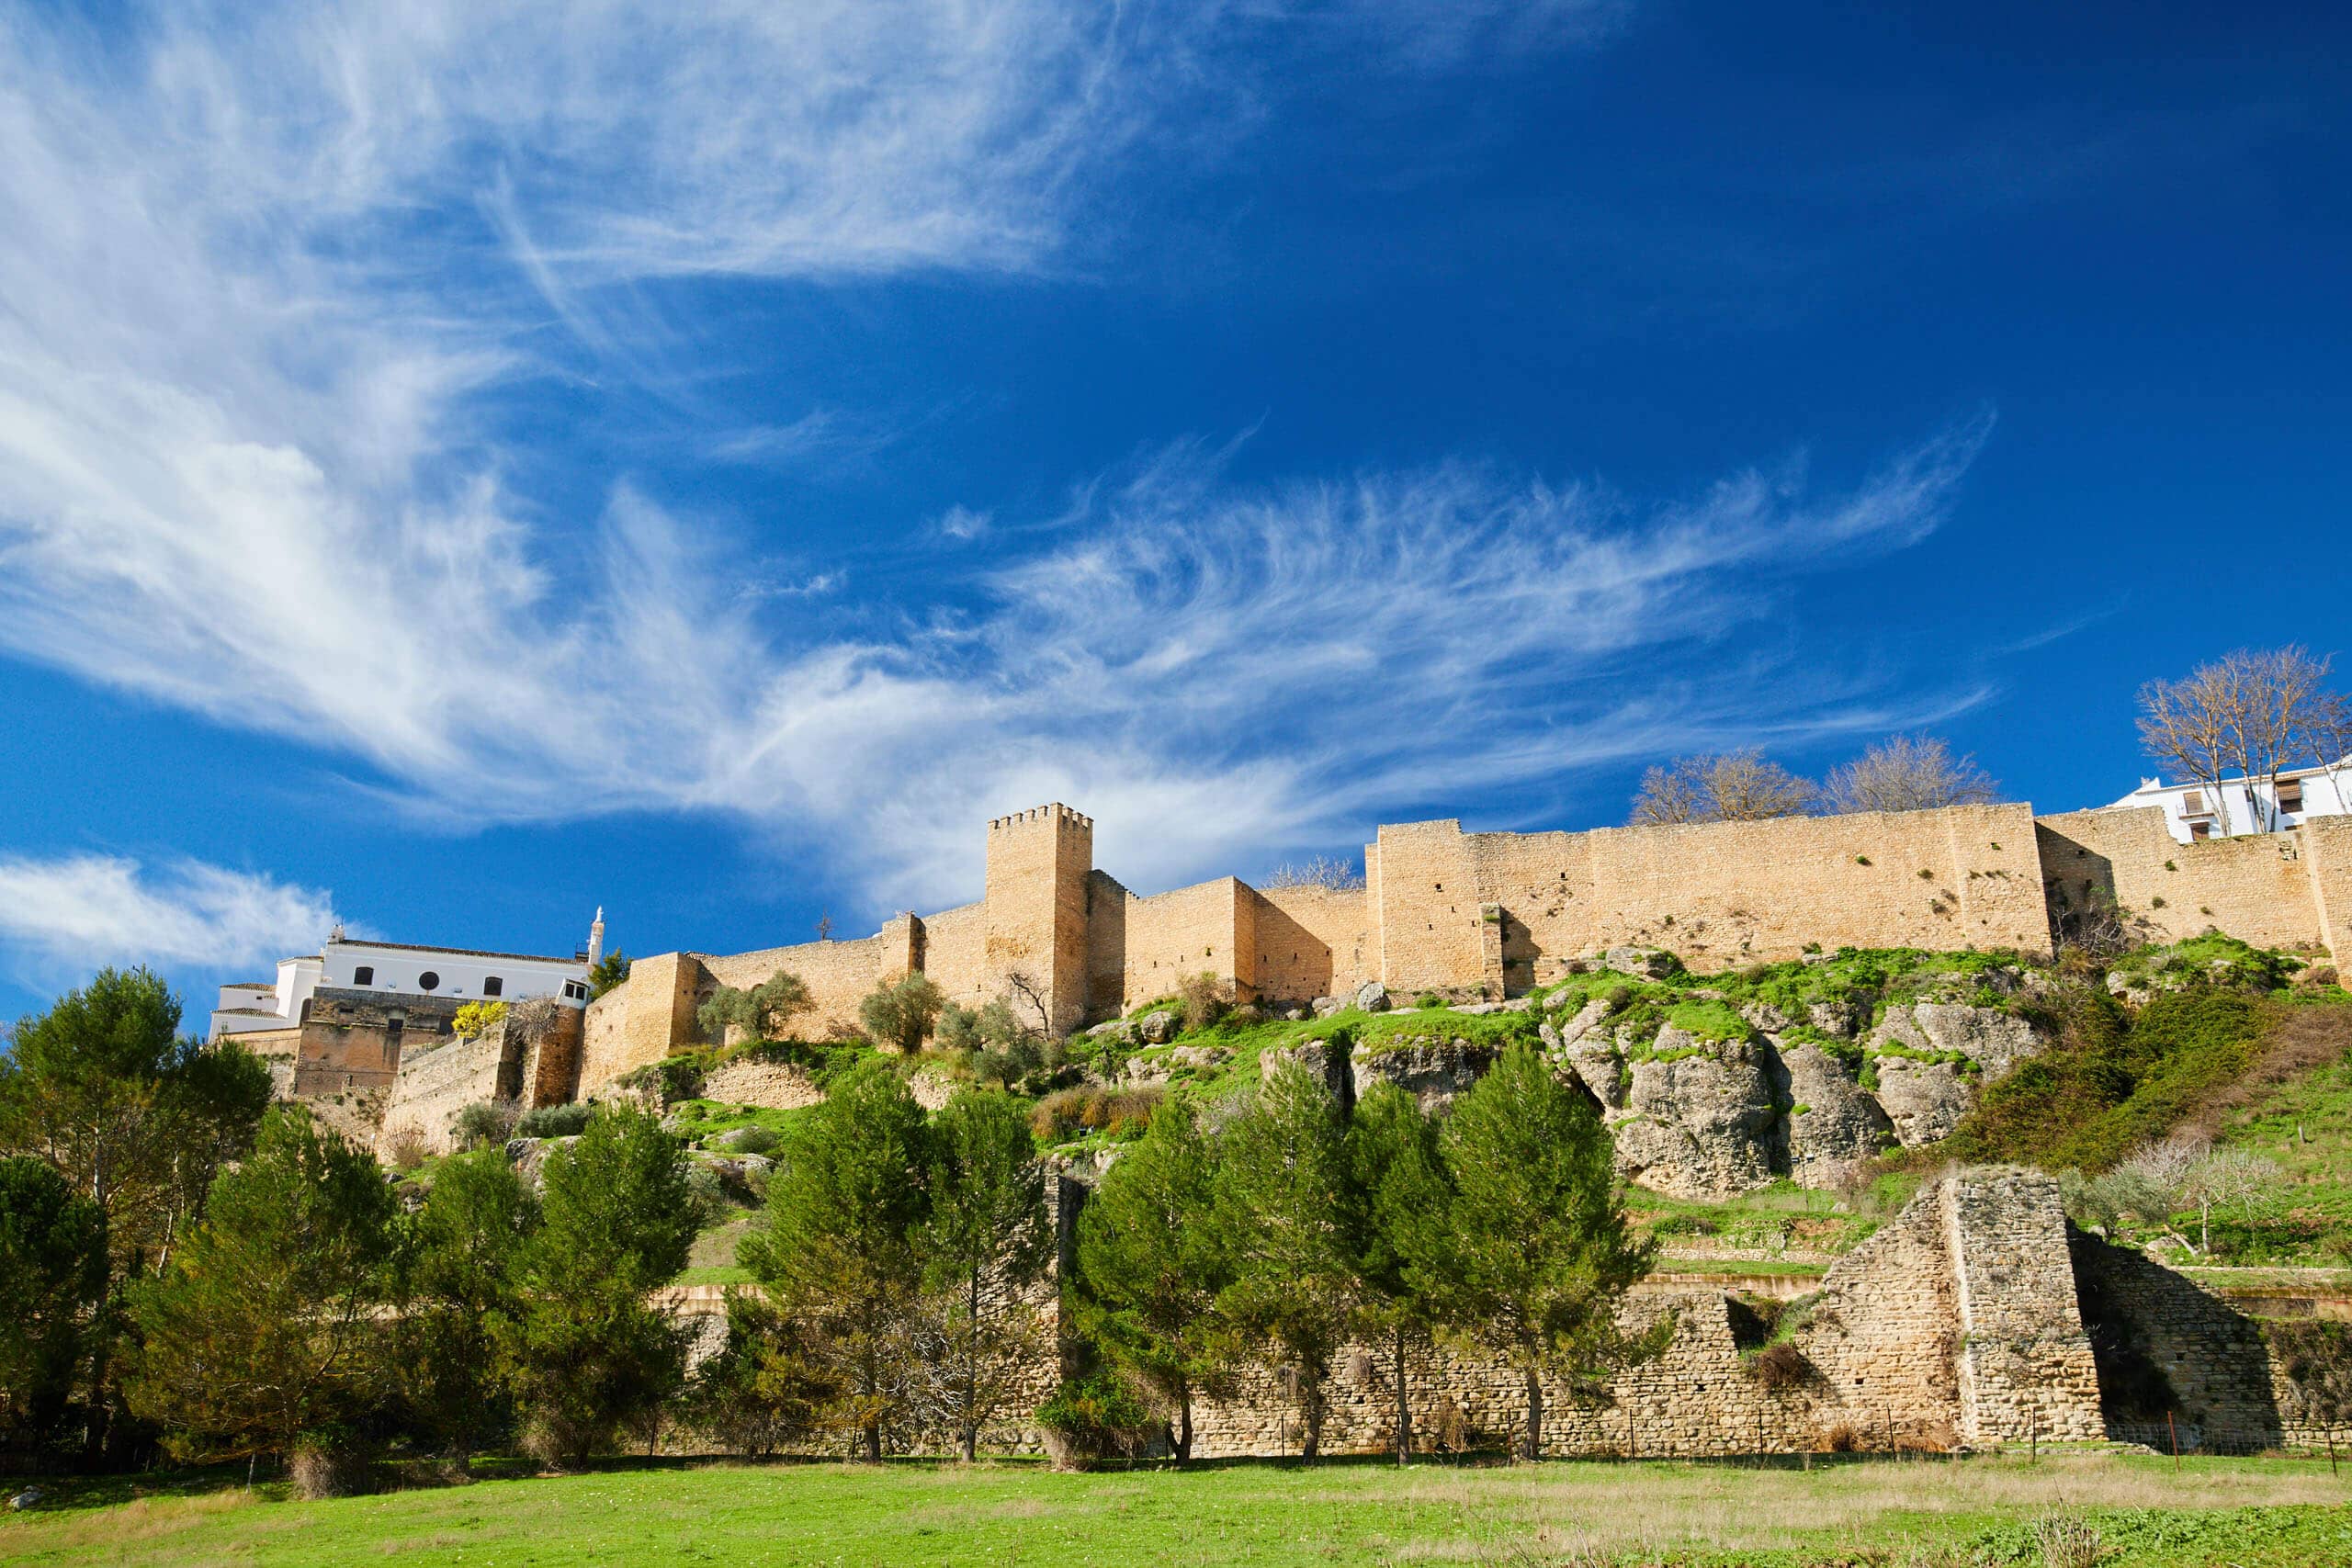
596,939
1038,863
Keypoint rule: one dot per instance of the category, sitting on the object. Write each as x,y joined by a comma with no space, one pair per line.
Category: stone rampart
2265,888
1494,914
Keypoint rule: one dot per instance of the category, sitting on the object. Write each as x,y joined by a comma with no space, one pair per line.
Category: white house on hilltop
400,968
2195,811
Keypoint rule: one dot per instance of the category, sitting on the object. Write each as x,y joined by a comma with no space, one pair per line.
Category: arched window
493,986
363,976
428,981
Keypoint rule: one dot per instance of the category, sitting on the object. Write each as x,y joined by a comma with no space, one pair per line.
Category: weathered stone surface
1766,1016
1587,1019
1324,1007
1478,1008
1701,1125
1371,996
1655,963
1833,1120
1838,1016
1598,1065
1432,1071
930,1087
1200,1057
1120,1029
1157,1028
1993,1040
771,1086
1327,1061
1925,1100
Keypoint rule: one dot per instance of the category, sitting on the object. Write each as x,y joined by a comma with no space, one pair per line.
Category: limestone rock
1478,1009
1432,1071
1702,1125
1120,1029
1833,1120
1518,1004
1764,1016
1325,1060
1324,1007
1837,1015
1200,1057
931,1089
1586,1018
1157,1028
1371,996
1993,1040
29,1498
1651,963
1598,1067
1925,1100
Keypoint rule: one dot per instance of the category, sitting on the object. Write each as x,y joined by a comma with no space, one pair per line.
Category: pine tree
52,1274
1287,1214
1537,1255
1150,1266
259,1337
987,1244
841,1249
590,1351
137,1120
1404,1216
460,1283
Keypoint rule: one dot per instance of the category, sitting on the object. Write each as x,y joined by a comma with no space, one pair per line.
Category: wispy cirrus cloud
266,269
68,913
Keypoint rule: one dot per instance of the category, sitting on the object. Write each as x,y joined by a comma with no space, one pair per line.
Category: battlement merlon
1054,811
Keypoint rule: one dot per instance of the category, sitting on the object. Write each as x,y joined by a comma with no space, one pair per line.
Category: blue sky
458,472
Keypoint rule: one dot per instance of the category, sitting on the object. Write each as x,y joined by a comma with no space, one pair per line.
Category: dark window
363,976
2290,795
493,986
428,981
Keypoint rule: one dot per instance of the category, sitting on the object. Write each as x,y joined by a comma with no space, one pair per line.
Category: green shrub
565,1120
1067,1113
483,1122
1092,1416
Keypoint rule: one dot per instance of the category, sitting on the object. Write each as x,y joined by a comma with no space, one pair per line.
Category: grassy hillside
2278,1514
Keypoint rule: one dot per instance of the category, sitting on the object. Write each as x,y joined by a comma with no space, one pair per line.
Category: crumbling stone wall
1955,1325
352,1040
839,975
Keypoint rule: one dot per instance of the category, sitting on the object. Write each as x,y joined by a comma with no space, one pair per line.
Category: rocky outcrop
1834,1123
1434,1071
1703,1124
1327,1061
1993,1040
1157,1028
1925,1100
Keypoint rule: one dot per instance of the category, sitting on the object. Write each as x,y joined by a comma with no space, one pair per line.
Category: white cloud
246,306
72,913
963,523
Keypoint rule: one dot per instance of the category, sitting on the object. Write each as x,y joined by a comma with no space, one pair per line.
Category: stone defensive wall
1955,1325
1495,914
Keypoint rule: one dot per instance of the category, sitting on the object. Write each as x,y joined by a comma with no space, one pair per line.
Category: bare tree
1732,786
2272,692
1019,985
1322,871
1909,773
2184,726
2327,735
2229,1177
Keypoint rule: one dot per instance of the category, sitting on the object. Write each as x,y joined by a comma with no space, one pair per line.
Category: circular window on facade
428,981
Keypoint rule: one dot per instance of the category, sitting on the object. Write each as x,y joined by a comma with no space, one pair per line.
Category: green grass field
1979,1511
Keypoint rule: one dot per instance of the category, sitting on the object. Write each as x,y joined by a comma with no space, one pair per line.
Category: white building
462,973
2196,811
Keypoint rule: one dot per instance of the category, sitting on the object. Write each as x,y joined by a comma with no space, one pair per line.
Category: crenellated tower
1038,866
